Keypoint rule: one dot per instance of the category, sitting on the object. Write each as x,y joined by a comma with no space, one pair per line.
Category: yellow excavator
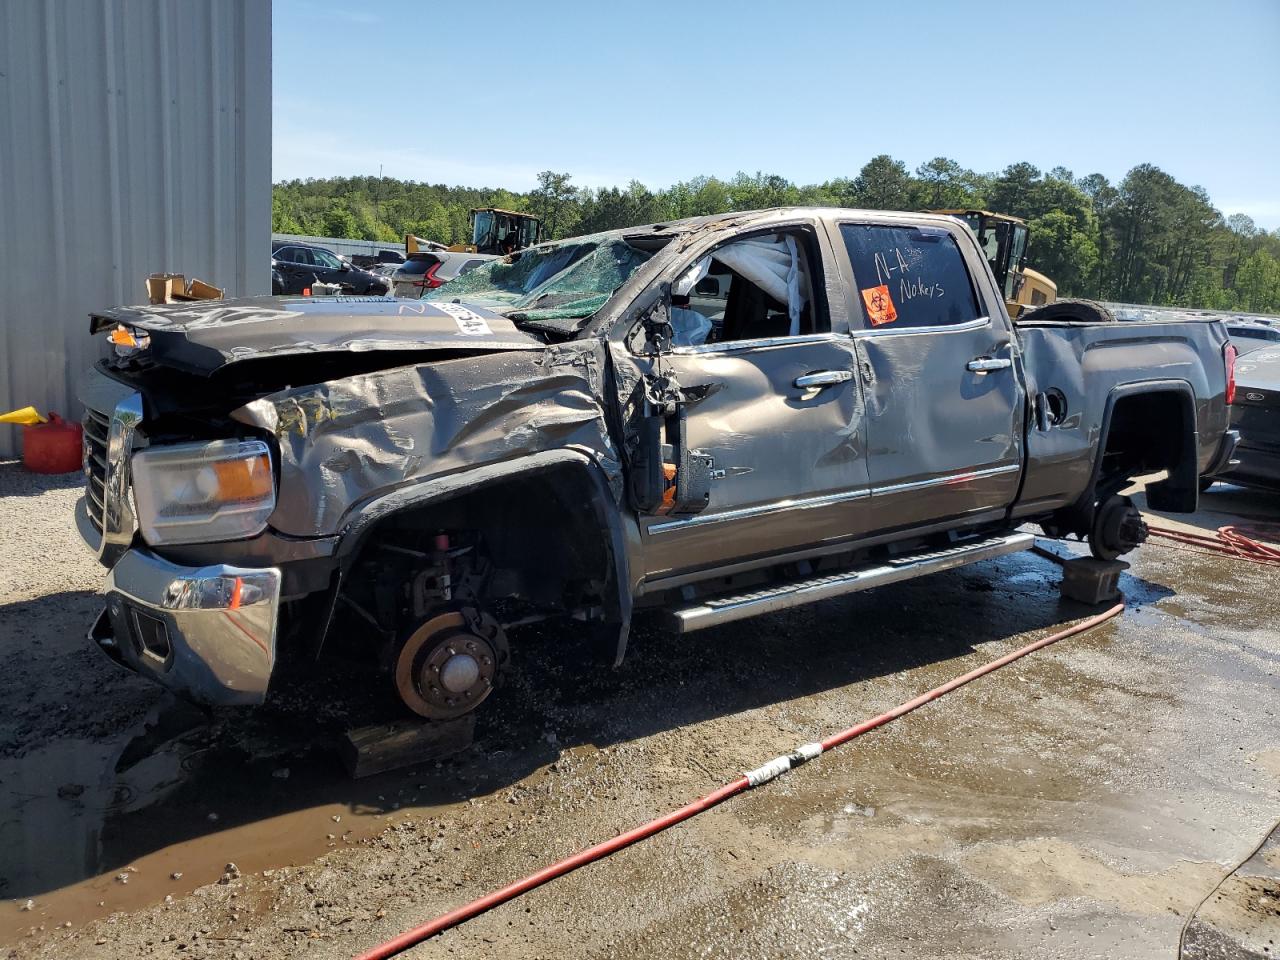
1004,241
493,231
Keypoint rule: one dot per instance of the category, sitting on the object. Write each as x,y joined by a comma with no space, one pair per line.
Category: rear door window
909,276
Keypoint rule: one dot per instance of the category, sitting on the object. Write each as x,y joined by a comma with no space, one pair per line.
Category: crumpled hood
204,336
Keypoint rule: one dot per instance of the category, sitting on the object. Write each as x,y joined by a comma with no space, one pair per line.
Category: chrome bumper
206,633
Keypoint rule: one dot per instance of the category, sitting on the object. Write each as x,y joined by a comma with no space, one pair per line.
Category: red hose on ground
512,890
845,736
751,779
1232,541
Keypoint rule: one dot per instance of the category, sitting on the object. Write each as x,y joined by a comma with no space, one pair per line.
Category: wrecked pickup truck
707,419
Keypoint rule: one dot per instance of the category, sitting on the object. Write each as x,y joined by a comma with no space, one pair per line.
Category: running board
713,612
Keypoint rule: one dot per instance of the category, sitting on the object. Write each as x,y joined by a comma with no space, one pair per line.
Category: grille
97,429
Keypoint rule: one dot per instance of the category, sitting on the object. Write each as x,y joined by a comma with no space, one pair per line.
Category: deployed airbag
771,263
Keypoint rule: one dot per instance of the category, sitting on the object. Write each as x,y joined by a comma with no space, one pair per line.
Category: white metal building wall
135,138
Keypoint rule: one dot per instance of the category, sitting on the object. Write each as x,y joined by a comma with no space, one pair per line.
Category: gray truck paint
913,442
1089,363
347,441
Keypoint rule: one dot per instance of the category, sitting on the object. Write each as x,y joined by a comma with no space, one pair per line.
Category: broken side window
750,289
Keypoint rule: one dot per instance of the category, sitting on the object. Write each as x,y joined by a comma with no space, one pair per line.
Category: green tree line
1146,239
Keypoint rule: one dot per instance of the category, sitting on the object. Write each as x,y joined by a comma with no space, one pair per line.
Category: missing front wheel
450,664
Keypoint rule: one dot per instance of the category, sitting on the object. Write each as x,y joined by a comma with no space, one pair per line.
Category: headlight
201,492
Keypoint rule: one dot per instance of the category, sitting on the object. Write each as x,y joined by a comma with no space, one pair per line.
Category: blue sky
488,94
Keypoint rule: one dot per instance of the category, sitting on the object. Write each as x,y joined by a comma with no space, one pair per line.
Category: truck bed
1085,367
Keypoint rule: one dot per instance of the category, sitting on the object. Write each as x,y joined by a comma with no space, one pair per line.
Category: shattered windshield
571,279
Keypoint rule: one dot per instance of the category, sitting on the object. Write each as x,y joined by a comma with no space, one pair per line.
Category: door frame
832,288
990,299
993,316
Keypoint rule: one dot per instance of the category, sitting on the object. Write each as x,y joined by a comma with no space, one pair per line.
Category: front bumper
206,633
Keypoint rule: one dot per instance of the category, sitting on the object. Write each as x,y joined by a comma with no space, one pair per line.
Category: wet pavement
1080,802
1241,916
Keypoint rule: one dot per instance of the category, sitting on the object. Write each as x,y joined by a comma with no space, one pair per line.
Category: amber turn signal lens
122,338
244,479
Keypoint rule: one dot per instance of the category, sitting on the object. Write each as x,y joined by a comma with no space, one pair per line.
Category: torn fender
603,504
347,442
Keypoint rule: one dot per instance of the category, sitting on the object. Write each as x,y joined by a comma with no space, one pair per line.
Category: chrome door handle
824,378
987,364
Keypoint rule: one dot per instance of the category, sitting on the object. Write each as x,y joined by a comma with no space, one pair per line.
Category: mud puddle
91,828
95,826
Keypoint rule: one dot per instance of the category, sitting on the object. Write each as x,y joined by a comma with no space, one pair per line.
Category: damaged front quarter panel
347,440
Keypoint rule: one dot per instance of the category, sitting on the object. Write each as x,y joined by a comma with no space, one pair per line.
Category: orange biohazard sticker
880,308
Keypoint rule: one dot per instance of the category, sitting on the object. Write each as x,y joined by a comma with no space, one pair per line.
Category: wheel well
1146,433
521,548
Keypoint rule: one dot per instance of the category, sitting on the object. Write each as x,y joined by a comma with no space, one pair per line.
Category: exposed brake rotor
450,664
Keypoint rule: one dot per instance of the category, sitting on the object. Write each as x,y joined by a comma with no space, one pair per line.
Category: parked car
1251,333
402,483
295,266
367,261
1255,413
428,270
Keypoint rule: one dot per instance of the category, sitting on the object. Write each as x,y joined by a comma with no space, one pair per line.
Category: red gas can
53,447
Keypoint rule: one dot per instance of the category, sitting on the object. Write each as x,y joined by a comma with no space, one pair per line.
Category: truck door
774,402
945,402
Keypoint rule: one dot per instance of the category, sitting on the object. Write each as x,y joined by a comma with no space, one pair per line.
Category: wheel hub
460,673
1117,528
449,665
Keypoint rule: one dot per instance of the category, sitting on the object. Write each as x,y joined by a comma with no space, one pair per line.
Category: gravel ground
1077,804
